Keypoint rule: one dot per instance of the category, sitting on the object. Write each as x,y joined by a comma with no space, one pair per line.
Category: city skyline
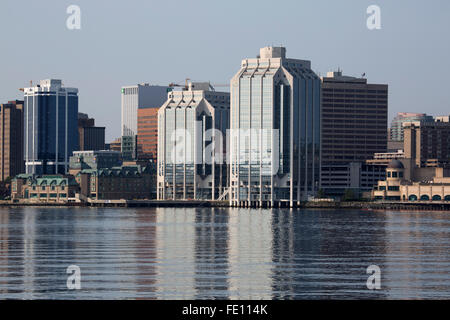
388,55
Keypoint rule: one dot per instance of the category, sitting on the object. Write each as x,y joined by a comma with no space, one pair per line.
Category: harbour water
223,253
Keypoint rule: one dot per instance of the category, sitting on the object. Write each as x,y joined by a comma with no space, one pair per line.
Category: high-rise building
147,140
396,131
116,145
90,136
428,143
50,127
11,139
134,98
192,127
354,128
275,130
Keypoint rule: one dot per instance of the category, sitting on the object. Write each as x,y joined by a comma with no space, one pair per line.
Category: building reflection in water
145,247
211,253
175,237
250,253
319,254
222,253
6,242
418,255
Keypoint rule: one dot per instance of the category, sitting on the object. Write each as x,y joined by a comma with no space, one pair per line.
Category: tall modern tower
134,98
354,128
11,139
192,125
50,127
275,131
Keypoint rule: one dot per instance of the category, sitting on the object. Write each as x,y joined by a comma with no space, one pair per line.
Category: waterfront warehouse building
44,188
275,131
11,139
134,98
123,182
354,128
192,128
50,127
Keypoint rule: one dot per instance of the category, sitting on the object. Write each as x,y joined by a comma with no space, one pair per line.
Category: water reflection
211,253
221,253
418,255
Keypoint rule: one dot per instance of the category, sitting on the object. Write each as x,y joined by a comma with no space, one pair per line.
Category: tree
349,195
320,194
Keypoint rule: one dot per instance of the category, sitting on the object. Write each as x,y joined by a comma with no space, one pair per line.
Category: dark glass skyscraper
50,127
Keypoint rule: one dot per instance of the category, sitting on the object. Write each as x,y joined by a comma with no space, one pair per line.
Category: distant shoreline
416,206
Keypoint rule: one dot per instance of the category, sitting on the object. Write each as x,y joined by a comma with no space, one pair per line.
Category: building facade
50,127
94,160
90,136
396,131
354,125
411,183
134,98
44,188
11,139
147,139
116,145
275,131
359,177
124,182
191,124
427,142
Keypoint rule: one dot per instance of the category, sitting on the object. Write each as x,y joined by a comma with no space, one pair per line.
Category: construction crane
185,86
31,84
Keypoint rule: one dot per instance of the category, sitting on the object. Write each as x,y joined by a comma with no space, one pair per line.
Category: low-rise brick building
125,182
44,188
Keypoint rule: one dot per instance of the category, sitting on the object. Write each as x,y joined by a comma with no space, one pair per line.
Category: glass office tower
136,97
192,125
50,127
275,131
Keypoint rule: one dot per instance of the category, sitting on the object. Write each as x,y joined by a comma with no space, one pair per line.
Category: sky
159,42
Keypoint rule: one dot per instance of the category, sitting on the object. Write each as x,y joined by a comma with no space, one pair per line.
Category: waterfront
222,253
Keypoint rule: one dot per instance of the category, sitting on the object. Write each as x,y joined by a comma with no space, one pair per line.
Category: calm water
168,253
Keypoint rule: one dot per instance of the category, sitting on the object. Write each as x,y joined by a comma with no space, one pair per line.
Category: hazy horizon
123,44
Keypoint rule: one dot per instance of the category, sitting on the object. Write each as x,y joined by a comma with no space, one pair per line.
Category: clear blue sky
128,42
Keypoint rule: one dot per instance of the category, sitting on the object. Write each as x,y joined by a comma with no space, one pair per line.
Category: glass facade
275,125
51,129
187,169
396,131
